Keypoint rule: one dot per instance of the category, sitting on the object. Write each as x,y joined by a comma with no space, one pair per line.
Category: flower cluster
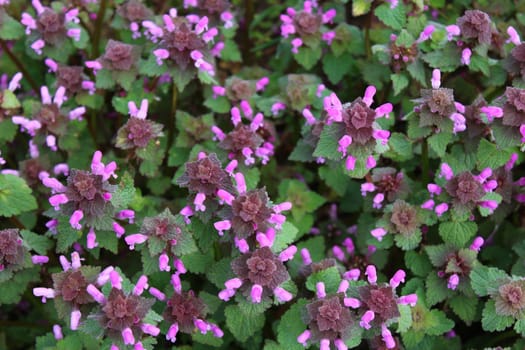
51,27
49,121
249,213
182,41
333,317
245,142
87,197
260,274
185,312
465,191
354,124
70,288
12,251
307,24
138,132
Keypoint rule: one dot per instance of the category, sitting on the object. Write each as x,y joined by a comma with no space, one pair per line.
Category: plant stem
248,19
19,65
95,46
171,119
17,222
424,162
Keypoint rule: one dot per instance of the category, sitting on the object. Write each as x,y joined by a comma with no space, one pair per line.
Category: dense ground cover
262,174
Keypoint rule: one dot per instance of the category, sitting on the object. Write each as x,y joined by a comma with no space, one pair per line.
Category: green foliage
366,43
491,156
394,18
457,233
36,242
290,327
15,196
307,56
330,277
243,323
491,321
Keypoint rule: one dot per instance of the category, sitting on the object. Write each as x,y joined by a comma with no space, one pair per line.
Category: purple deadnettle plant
214,174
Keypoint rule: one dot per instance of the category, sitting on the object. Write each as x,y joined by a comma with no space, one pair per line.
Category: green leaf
290,327
348,38
399,82
437,254
15,196
221,104
330,277
486,280
307,57
252,176
241,324
185,245
150,67
459,160
437,290
302,152
439,142
152,156
70,342
480,64
207,339
336,67
36,242
405,319
91,326
125,192
13,289
10,28
335,178
417,71
7,130
9,100
94,101
125,78
328,142
408,242
418,263
220,272
414,131
491,321
66,236
464,307
405,39
457,233
491,156
197,262
150,263
231,52
104,79
447,60
361,7
204,233
492,196
400,147
108,240
394,18
519,327
437,323
181,77
284,237
374,73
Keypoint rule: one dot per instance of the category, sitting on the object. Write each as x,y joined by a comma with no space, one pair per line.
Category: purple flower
328,318
206,176
12,251
475,24
119,56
